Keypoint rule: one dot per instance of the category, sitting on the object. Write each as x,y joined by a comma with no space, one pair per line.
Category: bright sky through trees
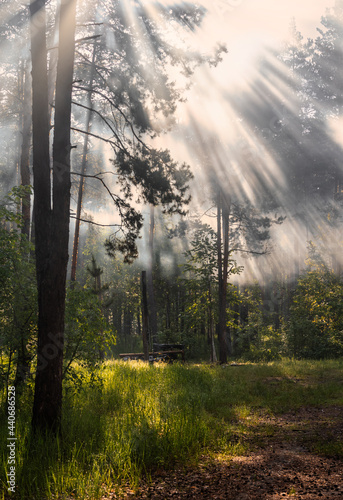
251,30
247,27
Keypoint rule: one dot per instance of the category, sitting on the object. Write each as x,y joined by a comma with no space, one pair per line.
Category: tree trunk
99,292
51,225
127,321
167,297
150,283
23,359
83,171
182,318
213,348
52,68
25,150
139,328
178,310
42,210
223,258
117,312
145,317
203,317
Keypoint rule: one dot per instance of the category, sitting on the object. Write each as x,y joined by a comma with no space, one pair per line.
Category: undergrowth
135,417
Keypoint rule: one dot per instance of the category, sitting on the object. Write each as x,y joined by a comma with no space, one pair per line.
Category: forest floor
294,455
259,431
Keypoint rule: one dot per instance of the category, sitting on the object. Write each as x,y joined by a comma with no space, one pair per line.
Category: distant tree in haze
202,266
324,78
290,115
240,229
295,52
325,83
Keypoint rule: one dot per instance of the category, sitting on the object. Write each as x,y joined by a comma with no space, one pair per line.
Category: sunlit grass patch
133,418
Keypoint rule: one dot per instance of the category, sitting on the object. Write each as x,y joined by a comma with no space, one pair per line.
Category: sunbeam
214,83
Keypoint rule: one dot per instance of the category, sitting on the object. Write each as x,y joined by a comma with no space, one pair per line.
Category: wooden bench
162,355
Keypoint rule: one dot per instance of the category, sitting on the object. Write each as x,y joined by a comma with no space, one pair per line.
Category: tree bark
167,297
145,317
42,208
213,348
96,273
117,312
223,259
52,67
51,223
150,283
23,359
139,329
25,150
127,321
83,171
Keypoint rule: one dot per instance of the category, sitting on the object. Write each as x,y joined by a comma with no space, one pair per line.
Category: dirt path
287,462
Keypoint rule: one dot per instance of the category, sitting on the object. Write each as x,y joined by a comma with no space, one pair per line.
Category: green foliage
132,222
87,333
95,271
255,337
159,179
202,257
250,227
316,322
201,279
269,345
18,296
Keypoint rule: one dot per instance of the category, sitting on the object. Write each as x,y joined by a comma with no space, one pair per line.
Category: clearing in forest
134,430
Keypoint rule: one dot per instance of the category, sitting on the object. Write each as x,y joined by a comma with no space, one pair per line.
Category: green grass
143,417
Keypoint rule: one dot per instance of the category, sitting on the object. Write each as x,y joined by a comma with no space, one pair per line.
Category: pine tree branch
86,38
115,106
265,252
105,121
85,25
119,203
77,42
109,141
94,223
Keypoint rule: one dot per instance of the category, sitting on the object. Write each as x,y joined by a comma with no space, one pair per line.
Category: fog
250,121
